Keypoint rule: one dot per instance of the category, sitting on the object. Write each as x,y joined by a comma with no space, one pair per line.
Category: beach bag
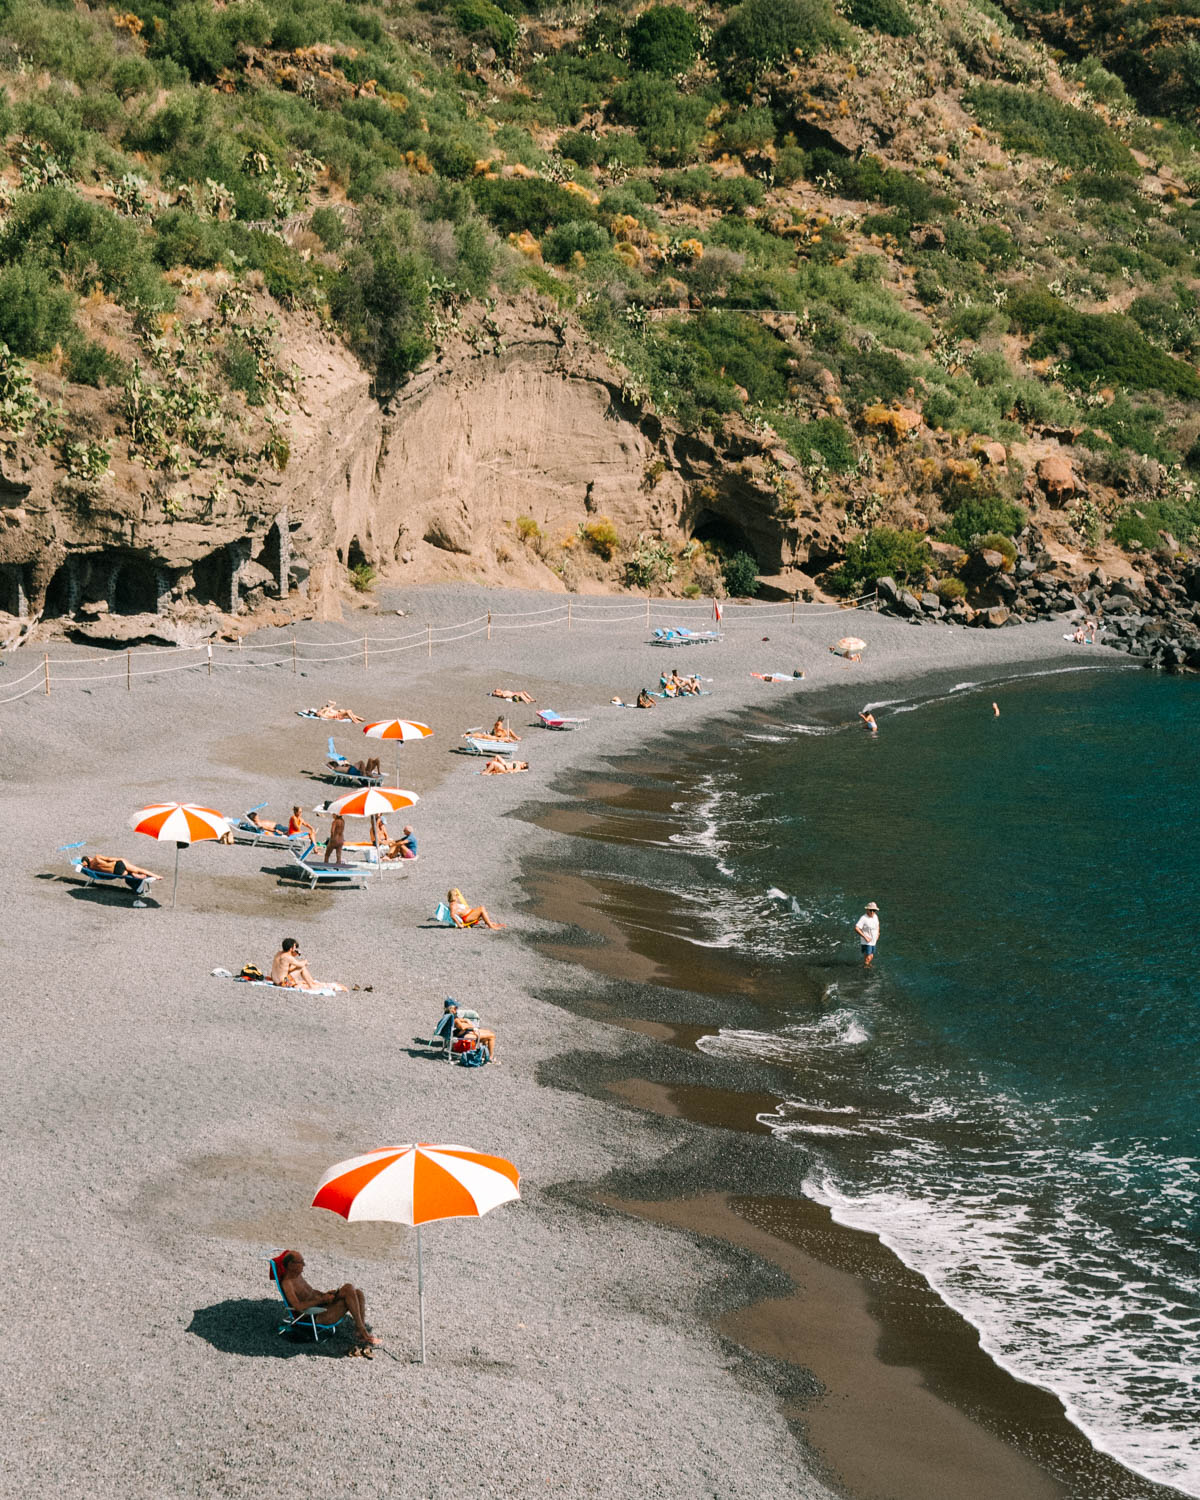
475,1058
251,971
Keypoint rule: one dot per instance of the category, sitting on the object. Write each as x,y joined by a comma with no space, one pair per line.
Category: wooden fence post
128,670
364,653
568,614
647,611
46,670
294,668
489,624
210,659
793,606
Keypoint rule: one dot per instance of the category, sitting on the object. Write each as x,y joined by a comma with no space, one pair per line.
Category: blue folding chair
307,1320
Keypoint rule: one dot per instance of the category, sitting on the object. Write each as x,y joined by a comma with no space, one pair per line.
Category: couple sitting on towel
468,1037
675,686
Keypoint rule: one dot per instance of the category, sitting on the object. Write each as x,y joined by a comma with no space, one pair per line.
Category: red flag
717,611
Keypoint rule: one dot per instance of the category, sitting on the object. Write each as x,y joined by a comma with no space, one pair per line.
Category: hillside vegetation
905,243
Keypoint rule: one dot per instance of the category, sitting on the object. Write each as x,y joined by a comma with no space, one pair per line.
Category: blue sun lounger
246,832
551,719
330,877
307,1320
344,773
681,637
137,885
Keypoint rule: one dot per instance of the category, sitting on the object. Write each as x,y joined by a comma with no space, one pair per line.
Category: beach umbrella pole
421,1293
175,885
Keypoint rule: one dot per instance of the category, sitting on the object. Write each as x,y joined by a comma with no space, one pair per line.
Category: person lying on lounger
268,825
463,915
290,972
297,824
514,695
105,864
645,699
330,710
498,767
342,1300
499,731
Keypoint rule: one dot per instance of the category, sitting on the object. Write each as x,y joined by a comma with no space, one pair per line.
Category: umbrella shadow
247,1326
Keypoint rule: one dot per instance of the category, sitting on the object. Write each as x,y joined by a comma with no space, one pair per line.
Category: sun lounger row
681,637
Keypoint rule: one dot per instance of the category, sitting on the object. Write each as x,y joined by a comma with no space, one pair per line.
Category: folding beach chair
307,1321
552,720
330,877
250,834
134,884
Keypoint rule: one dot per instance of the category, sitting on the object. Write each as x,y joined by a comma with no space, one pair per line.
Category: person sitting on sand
514,695
290,972
463,915
297,824
685,684
302,1298
499,767
500,731
106,864
405,847
330,710
645,699
336,841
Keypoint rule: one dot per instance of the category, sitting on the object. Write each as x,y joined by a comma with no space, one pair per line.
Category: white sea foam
794,1043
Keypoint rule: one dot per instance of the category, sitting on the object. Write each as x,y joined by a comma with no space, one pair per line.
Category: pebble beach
164,1129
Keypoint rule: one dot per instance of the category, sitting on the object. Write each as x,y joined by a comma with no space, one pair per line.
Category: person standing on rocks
867,928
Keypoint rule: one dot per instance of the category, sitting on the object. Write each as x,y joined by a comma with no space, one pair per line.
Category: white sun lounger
478,743
248,833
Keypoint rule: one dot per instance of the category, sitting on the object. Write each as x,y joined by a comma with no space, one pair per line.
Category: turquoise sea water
1010,1098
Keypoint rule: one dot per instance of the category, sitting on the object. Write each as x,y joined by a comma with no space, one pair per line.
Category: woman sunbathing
498,767
500,731
330,710
463,915
267,825
514,695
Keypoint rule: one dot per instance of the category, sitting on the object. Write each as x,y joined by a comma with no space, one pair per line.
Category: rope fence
573,613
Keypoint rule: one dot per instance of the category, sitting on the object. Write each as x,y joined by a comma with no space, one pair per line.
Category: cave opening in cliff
135,588
60,594
722,535
355,556
213,578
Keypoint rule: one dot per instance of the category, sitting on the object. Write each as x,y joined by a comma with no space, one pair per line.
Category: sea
1008,1098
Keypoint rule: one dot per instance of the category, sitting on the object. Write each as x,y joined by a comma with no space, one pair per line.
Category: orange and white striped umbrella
370,801
397,729
179,823
400,730
417,1185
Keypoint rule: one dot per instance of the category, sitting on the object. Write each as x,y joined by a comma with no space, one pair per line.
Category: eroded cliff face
486,465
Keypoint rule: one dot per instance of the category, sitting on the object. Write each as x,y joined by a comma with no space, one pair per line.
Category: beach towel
291,989
778,676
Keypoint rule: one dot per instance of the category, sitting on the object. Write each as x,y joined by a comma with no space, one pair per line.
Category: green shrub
528,529
664,39
825,436
327,225
888,16
601,536
994,542
881,553
362,577
740,572
583,149
90,363
748,130
1034,122
565,85
877,375
981,516
950,589
516,203
35,312
760,34
867,178
479,18
381,300
1099,346
203,40
182,238
669,124
584,236
1139,525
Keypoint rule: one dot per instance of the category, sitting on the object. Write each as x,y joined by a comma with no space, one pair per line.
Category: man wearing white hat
867,928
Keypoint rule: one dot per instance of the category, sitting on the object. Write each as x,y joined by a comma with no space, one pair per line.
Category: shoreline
192,1135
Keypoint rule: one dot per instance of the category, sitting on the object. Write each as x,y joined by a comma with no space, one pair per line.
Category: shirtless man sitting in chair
344,1299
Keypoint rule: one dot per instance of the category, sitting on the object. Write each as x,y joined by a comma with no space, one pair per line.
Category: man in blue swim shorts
867,928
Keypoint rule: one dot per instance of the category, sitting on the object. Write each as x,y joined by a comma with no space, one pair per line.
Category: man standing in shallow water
867,928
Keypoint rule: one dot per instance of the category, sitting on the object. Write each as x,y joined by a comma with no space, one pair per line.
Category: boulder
994,454
996,616
888,592
909,602
1058,479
